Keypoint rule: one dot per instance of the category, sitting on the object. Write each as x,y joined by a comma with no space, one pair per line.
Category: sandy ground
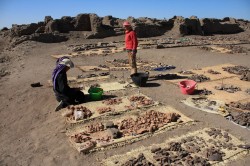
31,133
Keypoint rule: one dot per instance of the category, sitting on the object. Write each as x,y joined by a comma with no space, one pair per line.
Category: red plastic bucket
187,86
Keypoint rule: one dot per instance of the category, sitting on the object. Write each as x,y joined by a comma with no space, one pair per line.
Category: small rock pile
96,127
213,154
213,72
186,72
120,62
243,106
242,119
248,91
205,92
235,49
114,101
81,137
193,150
139,161
206,48
103,110
148,122
141,100
175,154
238,70
199,78
228,88
217,133
245,76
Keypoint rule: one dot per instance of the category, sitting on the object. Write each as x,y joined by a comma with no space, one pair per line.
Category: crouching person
64,94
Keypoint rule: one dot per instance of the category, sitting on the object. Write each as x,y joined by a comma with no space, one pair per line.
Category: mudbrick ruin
57,30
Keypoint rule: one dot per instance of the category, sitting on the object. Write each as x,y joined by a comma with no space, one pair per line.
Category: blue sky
28,11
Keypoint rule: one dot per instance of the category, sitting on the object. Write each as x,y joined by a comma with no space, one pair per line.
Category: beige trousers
132,62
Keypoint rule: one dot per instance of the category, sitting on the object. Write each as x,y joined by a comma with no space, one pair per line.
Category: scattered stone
4,72
104,74
142,100
114,101
139,161
238,70
103,110
244,146
206,48
93,128
242,119
205,92
186,72
175,146
199,78
148,122
153,150
213,72
4,59
234,49
243,106
245,76
81,137
228,88
213,154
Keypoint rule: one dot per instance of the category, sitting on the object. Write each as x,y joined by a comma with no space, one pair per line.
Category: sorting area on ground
118,121
203,147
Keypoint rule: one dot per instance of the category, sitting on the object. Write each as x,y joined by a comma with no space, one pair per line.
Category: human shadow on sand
167,77
104,97
152,84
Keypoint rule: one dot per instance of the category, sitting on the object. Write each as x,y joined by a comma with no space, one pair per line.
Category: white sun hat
67,62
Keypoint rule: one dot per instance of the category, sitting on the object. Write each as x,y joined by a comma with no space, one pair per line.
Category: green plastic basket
95,93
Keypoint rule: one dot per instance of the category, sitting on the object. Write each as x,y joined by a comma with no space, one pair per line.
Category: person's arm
134,41
63,84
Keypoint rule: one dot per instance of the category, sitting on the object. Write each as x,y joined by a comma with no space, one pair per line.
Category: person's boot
60,106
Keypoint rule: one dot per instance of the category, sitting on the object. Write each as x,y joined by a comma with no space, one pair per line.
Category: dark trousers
75,96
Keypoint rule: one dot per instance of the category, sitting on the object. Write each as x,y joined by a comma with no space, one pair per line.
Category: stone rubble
103,110
228,88
148,122
114,101
199,78
141,100
238,70
205,92
242,119
213,72
243,106
139,161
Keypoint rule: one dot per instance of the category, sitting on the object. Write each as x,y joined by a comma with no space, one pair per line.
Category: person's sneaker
61,105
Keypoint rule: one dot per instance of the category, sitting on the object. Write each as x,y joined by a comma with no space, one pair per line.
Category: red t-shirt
131,42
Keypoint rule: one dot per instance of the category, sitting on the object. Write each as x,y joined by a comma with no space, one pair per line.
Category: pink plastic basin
187,86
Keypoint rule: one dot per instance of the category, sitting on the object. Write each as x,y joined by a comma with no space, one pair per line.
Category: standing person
131,44
64,94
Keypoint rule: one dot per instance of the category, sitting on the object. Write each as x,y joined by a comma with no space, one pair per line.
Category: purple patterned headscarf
58,69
